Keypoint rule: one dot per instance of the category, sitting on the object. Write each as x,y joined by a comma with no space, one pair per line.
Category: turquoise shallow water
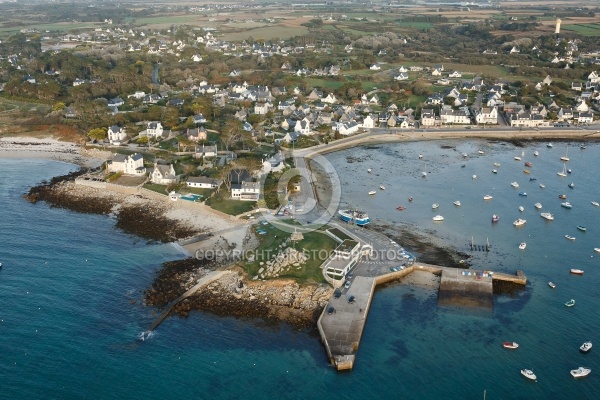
69,326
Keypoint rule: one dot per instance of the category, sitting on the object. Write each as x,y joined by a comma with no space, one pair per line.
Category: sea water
71,310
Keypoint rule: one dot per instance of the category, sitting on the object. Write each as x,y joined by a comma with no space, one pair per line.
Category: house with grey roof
116,135
163,174
128,164
153,130
202,182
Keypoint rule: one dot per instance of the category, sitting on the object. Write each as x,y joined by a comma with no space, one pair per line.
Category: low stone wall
393,276
91,183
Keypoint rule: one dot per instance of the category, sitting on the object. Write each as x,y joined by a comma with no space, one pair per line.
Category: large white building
128,164
116,135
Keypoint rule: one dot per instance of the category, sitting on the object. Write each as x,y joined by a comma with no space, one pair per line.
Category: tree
97,133
58,106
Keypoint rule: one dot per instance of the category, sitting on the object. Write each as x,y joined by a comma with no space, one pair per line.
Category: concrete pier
341,328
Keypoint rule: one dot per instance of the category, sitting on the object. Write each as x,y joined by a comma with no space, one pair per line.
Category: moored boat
410,199
400,208
565,157
360,218
521,208
527,373
580,372
536,153
519,222
595,203
494,171
496,164
487,197
581,228
552,285
510,345
526,171
528,164
566,204
381,187
481,152
570,303
532,179
571,185
585,347
549,145
474,176
562,196
457,203
495,218
576,271
438,218
514,184
542,185
369,170
522,246
372,192
563,173
569,237
517,158
538,205
523,194
424,174
547,216
597,249
434,206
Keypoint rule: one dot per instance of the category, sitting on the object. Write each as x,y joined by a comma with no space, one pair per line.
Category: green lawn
162,189
416,25
316,245
222,202
584,29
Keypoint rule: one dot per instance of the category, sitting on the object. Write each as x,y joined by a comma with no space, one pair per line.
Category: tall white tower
557,30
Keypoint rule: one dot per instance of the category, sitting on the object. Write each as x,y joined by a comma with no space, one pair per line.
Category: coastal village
194,132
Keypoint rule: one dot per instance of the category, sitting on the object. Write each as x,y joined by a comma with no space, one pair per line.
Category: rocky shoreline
235,295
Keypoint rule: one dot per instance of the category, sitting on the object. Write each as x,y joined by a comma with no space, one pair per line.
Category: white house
455,74
565,114
153,130
163,174
436,72
402,77
375,67
514,50
128,164
274,164
487,115
368,122
428,117
205,151
402,69
585,118
202,182
347,128
302,126
116,134
450,116
330,99
582,106
246,191
593,77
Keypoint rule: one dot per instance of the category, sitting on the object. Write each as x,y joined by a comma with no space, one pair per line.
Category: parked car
337,294
347,284
351,299
330,310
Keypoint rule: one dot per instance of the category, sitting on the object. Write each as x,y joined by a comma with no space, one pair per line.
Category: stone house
116,134
163,174
128,164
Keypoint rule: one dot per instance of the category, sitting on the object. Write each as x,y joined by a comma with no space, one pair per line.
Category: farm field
267,33
584,29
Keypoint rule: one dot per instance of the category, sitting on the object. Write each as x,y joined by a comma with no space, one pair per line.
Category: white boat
381,187
517,158
571,185
519,222
465,155
481,152
536,153
563,173
538,205
552,285
565,158
494,171
434,206
547,216
510,345
580,372
566,204
496,164
585,347
576,271
487,197
495,218
596,249
549,145
372,192
369,170
457,203
420,156
521,208
542,185
424,174
514,184
595,203
474,176
569,237
522,246
570,303
527,373
438,218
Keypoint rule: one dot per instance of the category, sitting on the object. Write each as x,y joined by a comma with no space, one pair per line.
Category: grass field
416,25
59,26
168,20
221,202
584,29
267,33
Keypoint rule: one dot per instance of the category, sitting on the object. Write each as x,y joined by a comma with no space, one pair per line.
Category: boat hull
357,218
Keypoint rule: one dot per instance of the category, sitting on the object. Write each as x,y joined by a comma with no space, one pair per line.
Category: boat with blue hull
359,218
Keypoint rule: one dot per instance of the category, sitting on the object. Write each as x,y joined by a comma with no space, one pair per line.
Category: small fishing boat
538,205
542,185
474,176
438,218
527,373
536,153
595,203
523,194
463,165
494,171
570,303
526,171
514,184
569,237
569,171
457,203
533,179
487,197
547,216
495,218
519,222
562,196
596,249
510,345
580,372
496,164
528,164
571,185
576,271
410,199
481,152
434,206
521,208
566,204
522,246
372,192
420,156
369,170
549,145
552,285
585,347
517,158
424,174
465,155
400,208
581,228
381,187
582,147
